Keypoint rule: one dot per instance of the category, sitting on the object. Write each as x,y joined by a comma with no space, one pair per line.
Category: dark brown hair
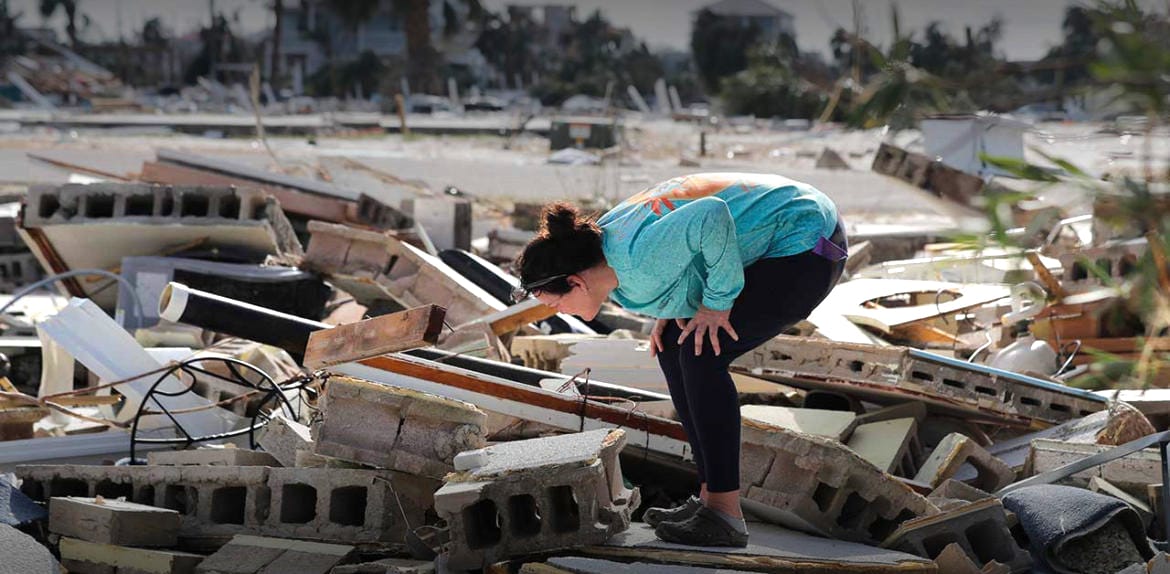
568,243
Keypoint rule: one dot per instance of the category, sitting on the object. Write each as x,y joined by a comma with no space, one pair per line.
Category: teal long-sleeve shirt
685,242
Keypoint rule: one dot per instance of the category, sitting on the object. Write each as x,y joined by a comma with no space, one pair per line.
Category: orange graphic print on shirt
687,187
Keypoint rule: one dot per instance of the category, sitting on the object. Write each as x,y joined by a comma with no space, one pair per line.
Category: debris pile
268,372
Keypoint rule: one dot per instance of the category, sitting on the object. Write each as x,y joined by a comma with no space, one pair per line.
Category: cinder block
535,496
258,555
282,438
818,485
981,528
337,504
956,449
421,433
81,557
111,521
136,201
1131,473
211,457
1102,486
217,502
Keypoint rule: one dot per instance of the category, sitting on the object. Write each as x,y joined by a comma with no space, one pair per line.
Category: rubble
372,400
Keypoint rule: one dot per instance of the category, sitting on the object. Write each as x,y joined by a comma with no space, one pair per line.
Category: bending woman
724,262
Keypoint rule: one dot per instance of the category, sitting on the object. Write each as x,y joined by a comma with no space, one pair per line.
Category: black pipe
182,304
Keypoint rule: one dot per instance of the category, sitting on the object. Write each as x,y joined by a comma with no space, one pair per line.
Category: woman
724,262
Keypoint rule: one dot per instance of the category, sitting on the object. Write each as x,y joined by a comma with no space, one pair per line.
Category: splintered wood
418,327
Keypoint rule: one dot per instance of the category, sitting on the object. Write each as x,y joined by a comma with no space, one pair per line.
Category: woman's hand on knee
656,337
707,322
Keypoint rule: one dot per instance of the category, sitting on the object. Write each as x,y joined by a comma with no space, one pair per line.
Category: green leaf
1019,168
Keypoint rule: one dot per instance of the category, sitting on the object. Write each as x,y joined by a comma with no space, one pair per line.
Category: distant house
311,34
770,20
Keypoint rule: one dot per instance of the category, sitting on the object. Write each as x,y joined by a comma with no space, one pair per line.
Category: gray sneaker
656,516
705,528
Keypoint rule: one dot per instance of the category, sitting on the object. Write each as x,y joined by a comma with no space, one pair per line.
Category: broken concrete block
387,566
1102,486
211,457
837,425
898,374
258,555
981,528
1131,473
336,504
953,493
1159,564
818,485
422,432
891,445
953,560
22,554
117,522
376,268
282,438
830,159
16,508
537,495
956,449
84,557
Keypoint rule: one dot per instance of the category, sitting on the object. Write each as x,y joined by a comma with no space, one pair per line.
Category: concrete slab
212,457
565,450
581,565
255,554
82,557
111,521
770,547
837,425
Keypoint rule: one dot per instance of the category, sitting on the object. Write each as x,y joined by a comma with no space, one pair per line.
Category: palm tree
49,7
278,18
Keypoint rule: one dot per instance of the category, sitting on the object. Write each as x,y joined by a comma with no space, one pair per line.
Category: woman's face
580,300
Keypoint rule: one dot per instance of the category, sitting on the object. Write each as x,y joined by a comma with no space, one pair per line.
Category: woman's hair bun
561,220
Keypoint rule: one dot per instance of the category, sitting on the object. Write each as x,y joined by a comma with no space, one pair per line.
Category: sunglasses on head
524,291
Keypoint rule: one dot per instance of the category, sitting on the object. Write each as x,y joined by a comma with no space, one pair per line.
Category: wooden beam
418,327
1046,277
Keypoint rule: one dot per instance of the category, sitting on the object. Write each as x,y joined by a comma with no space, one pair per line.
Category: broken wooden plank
391,333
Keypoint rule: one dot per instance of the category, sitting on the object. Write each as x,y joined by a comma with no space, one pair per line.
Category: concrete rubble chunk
283,437
952,492
953,560
818,485
1131,473
387,566
16,508
259,555
111,521
956,449
22,554
377,268
84,557
982,529
1102,486
211,457
420,433
1159,564
836,425
535,496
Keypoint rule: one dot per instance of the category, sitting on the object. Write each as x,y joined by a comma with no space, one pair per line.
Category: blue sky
1032,26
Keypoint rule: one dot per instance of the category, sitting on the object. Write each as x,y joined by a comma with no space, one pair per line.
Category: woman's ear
575,281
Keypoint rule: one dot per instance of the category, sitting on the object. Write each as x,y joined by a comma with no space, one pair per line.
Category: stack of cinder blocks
535,495
101,535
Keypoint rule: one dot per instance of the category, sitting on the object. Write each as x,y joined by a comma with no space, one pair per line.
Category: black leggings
777,293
